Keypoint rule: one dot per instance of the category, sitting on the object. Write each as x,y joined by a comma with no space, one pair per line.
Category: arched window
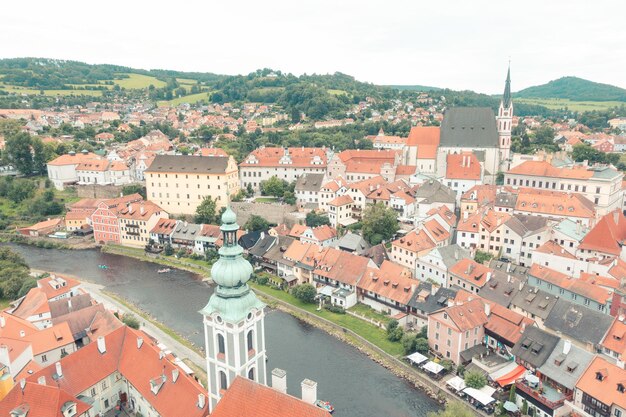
251,374
221,344
223,381
250,340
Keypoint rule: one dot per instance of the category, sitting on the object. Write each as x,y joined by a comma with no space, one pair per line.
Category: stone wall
272,212
98,191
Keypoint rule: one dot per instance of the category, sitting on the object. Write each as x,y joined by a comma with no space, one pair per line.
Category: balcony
544,394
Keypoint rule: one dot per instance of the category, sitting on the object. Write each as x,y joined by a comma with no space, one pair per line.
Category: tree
249,190
379,223
421,345
475,379
18,149
453,409
482,257
524,407
314,220
512,393
134,189
408,343
289,197
131,321
305,293
256,223
168,250
205,213
274,187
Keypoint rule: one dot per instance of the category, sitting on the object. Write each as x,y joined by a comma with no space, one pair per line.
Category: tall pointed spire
506,98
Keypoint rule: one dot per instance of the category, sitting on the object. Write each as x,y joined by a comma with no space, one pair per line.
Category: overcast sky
460,44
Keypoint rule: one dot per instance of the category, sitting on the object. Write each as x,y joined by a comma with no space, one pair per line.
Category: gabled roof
535,346
472,272
188,164
615,338
581,287
246,398
391,281
554,203
608,235
534,301
40,401
601,381
578,322
463,166
415,241
468,315
164,227
469,127
566,364
309,182
507,325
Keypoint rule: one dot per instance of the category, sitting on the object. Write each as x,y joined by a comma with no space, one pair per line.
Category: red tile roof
608,235
463,166
300,157
472,272
426,138
468,315
605,390
40,401
415,241
391,281
554,203
245,398
578,286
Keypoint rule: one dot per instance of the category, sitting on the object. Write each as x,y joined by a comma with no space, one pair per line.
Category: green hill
420,88
574,89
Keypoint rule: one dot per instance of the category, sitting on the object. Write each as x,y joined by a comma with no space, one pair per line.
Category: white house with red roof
62,170
463,171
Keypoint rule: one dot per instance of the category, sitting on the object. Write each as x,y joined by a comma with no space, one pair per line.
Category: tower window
221,344
250,340
251,374
223,381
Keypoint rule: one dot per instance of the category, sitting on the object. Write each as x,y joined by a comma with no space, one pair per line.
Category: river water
354,384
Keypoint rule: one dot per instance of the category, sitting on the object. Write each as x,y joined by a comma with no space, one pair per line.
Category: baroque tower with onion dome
234,333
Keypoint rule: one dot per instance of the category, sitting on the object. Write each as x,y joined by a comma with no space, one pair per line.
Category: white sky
460,44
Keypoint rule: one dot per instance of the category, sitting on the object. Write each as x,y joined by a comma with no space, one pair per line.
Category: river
354,384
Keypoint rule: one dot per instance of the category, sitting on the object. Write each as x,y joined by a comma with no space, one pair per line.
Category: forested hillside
576,89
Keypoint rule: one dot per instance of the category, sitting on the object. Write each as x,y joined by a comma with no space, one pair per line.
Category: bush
447,364
305,293
395,335
475,379
335,309
131,321
168,250
262,279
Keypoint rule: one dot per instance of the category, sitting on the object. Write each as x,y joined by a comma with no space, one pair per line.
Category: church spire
506,98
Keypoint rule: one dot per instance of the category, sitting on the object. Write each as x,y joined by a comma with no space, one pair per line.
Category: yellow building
179,183
6,381
136,220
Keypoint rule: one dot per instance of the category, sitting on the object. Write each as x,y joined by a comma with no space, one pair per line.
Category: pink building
454,329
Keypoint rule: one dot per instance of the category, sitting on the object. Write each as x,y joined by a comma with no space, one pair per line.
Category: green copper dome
232,299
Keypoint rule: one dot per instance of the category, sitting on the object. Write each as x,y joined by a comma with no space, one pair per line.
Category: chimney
22,384
201,401
487,309
41,380
175,374
69,303
616,217
523,327
309,391
433,289
59,369
488,276
508,267
102,347
139,342
566,347
142,210
3,321
521,285
279,380
130,208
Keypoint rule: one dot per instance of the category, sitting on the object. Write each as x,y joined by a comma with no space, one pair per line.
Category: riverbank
48,242
181,263
436,390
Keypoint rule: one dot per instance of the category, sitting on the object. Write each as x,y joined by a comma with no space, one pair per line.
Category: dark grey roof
534,301
523,224
69,305
188,164
352,242
432,302
310,182
506,200
509,268
276,251
249,239
475,351
469,127
578,322
186,231
262,246
434,192
535,346
506,97
378,254
566,364
501,288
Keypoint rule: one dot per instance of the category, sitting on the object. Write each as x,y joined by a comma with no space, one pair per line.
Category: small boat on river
164,270
325,405
103,266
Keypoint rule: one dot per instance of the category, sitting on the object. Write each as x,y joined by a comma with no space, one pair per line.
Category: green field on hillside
559,103
191,98
31,91
139,81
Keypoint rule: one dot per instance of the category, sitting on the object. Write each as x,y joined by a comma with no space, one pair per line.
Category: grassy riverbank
368,331
191,265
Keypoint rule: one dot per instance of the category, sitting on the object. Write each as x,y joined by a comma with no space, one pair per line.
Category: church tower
504,122
234,333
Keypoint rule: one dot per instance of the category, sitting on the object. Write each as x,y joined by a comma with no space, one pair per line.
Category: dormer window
620,387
